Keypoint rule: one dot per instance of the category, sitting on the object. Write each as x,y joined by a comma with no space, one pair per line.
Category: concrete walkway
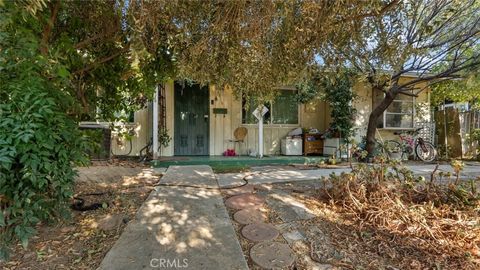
179,227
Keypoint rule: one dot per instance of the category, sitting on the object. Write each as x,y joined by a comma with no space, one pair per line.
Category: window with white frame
400,114
282,111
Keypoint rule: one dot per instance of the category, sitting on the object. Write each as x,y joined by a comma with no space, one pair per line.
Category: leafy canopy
252,46
463,89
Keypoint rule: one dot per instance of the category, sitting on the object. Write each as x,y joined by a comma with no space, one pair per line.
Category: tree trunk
54,7
373,118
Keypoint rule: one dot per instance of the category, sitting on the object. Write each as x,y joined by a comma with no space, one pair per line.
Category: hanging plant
163,138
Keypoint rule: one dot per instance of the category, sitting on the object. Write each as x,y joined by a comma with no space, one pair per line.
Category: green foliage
475,138
336,89
163,138
39,143
108,73
475,135
464,89
339,94
309,90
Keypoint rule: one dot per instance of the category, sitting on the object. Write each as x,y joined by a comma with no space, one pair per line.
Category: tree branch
449,73
99,62
86,42
48,28
384,9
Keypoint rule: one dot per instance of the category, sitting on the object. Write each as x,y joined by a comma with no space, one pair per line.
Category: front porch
222,162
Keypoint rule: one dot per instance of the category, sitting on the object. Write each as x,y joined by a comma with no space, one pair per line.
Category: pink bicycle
411,143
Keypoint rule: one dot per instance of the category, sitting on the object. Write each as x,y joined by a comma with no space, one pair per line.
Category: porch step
185,226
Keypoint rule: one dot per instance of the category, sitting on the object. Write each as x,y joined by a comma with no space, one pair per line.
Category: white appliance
331,146
292,146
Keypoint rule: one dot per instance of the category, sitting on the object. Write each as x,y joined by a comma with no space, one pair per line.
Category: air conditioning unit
101,134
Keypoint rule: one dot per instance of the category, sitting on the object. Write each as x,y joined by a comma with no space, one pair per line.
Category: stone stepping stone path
266,254
240,190
272,255
249,215
258,232
244,201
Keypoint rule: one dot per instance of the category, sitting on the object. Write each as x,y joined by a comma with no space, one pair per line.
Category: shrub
38,146
435,215
336,89
39,142
385,205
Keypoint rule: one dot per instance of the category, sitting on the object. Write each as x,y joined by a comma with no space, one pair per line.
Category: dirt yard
81,242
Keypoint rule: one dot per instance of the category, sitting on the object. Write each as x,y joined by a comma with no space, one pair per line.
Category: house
202,120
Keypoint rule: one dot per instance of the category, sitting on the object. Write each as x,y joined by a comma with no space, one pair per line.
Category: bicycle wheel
425,151
148,152
393,150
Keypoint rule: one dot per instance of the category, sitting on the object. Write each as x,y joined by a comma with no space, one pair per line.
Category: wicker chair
239,138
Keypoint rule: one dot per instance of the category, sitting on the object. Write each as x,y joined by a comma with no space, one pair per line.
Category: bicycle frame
408,139
410,143
411,139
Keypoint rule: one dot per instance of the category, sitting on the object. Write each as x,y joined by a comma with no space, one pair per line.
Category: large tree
253,46
106,70
431,39
249,45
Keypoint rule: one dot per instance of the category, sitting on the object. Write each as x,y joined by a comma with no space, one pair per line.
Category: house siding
222,126
363,105
142,130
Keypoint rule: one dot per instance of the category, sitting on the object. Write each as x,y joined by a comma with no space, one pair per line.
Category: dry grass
389,219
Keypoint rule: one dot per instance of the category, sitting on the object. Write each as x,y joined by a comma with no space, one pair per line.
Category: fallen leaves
79,243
